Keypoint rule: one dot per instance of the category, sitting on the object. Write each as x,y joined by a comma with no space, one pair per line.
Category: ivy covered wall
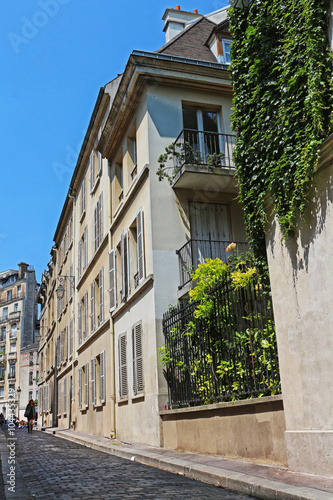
282,76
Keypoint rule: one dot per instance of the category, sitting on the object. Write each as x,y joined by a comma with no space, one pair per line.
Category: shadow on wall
309,227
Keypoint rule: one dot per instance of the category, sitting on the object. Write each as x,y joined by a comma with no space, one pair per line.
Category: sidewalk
259,481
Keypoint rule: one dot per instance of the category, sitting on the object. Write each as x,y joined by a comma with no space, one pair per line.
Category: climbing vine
282,77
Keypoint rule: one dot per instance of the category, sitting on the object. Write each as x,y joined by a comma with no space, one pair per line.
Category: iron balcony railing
207,149
194,252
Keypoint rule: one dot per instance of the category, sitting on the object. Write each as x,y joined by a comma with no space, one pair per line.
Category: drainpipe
72,194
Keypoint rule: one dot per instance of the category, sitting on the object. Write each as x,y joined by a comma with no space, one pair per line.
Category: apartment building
18,313
134,238
29,377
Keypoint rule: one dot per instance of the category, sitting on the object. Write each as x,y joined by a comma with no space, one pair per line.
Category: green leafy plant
181,153
282,77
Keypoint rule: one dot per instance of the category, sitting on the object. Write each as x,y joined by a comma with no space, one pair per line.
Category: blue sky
55,56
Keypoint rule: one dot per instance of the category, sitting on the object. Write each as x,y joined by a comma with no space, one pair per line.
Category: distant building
29,376
18,312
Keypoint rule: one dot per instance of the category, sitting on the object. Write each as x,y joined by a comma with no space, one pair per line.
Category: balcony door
201,134
210,231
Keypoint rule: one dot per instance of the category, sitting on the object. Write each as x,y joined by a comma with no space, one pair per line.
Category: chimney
175,20
23,267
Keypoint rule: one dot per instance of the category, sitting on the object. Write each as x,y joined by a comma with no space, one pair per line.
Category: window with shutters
93,380
85,248
132,154
98,222
85,332
112,280
97,301
122,361
118,181
71,286
125,267
100,378
137,358
79,322
83,198
95,169
86,385
80,388
136,251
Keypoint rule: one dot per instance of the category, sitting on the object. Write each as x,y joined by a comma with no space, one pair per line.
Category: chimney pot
195,11
177,7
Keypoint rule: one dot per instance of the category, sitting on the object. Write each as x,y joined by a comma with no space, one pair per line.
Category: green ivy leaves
282,76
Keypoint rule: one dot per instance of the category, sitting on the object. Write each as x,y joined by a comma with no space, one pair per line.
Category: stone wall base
310,451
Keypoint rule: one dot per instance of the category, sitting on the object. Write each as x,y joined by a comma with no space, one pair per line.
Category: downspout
72,195
112,349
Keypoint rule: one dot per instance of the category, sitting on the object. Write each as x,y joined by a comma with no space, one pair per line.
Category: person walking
30,413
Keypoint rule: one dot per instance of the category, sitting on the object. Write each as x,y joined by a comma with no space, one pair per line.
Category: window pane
209,121
190,118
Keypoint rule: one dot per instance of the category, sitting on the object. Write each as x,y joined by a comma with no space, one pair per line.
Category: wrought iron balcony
194,252
209,150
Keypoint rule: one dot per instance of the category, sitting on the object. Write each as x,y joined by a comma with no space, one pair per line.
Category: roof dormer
219,42
175,21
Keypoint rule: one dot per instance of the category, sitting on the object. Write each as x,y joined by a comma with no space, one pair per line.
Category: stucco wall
301,273
247,430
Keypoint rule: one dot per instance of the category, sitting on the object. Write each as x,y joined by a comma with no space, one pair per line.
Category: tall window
98,222
83,197
3,333
5,313
201,134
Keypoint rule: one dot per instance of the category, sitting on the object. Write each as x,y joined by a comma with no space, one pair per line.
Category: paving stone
56,468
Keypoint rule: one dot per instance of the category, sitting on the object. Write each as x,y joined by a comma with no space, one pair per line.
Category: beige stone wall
301,273
245,430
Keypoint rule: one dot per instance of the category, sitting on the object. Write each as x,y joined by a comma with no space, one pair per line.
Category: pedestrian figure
30,413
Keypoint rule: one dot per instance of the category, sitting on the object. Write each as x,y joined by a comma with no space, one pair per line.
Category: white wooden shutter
61,356
124,264
123,389
66,288
96,226
71,337
85,305
99,163
112,279
93,381
59,397
79,260
92,305
79,322
80,387
92,173
85,247
101,296
83,207
100,218
65,343
86,385
137,358
65,395
140,246
102,376
71,281
50,396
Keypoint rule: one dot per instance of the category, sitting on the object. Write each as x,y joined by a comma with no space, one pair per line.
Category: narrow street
47,467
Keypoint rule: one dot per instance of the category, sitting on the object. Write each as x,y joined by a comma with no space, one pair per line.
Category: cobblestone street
53,468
